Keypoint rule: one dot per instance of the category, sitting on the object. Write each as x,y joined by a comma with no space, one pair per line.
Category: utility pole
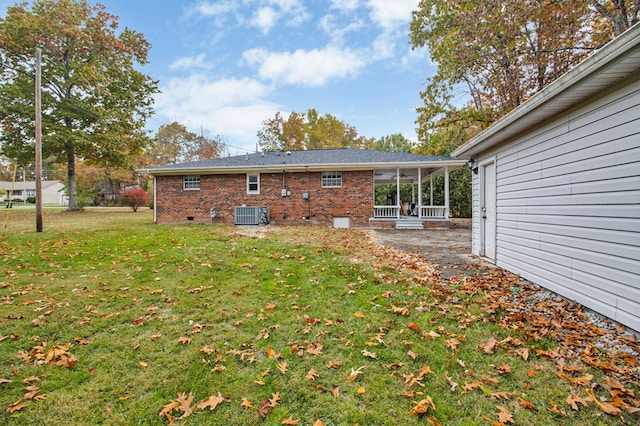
38,144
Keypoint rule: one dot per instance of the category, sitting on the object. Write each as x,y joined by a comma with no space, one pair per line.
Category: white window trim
330,186
184,183
249,191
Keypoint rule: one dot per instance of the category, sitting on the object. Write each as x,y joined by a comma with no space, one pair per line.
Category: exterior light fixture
472,165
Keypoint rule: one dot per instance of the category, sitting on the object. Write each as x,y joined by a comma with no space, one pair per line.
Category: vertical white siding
568,205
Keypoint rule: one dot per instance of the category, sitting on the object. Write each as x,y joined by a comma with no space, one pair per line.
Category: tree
173,144
500,51
309,131
134,198
94,102
619,14
393,143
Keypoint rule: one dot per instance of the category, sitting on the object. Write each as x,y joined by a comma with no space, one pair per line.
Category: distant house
327,186
556,189
52,191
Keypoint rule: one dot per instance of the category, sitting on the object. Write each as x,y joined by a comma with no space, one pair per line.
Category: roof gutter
277,168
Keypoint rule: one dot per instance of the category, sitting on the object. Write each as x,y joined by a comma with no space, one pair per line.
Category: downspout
155,200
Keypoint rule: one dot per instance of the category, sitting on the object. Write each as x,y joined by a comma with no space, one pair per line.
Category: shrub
134,198
31,200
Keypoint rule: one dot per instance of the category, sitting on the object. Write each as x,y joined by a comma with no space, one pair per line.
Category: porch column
419,193
431,188
398,192
446,192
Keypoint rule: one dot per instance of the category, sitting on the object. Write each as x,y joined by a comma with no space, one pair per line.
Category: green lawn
106,318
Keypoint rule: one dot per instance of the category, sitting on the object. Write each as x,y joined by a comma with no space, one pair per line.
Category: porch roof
343,159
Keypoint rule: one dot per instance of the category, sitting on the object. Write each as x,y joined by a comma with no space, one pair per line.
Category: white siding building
556,196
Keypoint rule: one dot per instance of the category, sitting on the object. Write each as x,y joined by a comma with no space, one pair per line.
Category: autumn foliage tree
310,130
95,101
134,198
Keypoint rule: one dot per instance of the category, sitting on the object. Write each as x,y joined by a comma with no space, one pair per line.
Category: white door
488,210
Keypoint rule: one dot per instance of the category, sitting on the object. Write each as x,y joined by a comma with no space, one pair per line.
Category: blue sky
226,66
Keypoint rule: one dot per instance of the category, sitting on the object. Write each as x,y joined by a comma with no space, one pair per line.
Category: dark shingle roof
319,157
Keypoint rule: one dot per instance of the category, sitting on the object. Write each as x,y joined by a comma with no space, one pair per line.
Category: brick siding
225,192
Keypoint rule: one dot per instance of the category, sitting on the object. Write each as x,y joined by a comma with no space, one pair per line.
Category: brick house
329,186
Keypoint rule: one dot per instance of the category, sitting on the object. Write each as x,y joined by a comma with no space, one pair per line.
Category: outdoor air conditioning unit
251,215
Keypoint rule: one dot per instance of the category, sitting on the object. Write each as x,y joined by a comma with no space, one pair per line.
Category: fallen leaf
318,422
246,403
265,408
413,326
16,406
504,368
504,416
422,406
290,421
184,340
334,364
361,390
312,375
527,405
412,354
143,364
211,403
489,347
185,404
369,354
275,398
354,374
282,366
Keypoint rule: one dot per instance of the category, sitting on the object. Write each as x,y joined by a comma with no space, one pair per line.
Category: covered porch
412,195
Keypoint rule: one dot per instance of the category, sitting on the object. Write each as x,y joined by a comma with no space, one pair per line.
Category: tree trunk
71,180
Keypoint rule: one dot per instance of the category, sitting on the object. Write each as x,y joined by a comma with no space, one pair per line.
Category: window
253,184
191,182
331,179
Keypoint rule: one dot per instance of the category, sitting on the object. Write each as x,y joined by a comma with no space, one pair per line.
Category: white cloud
217,8
336,30
344,5
191,63
390,14
306,67
231,107
265,18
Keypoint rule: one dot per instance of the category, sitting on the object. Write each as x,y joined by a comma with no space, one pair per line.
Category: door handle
484,212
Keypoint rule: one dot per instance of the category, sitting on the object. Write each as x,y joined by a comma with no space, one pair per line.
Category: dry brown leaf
453,344
246,403
318,422
500,395
361,390
282,366
315,349
354,374
422,406
290,421
334,364
504,416
312,375
265,409
16,406
369,354
211,403
573,400
30,392
527,405
185,404
504,368
489,346
413,326
453,384
275,397
412,354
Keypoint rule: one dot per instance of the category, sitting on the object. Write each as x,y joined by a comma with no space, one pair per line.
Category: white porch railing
426,212
433,212
384,212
